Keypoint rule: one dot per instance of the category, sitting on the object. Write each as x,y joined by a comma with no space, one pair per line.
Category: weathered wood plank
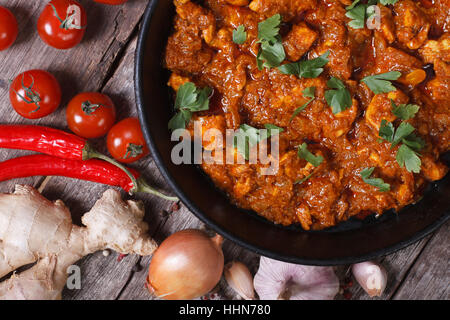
429,277
396,265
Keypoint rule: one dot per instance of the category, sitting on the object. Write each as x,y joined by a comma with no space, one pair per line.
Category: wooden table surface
104,62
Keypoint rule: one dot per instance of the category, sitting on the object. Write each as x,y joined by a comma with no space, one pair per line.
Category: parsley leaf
360,12
189,99
356,12
308,93
414,142
305,154
403,131
271,130
404,111
354,3
180,119
386,2
239,35
270,55
376,182
386,130
248,136
306,69
406,157
314,67
407,154
339,99
381,83
186,95
290,68
271,52
268,29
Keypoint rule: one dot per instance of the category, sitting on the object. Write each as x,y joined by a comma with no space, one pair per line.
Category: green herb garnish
239,35
357,12
386,2
361,12
386,131
409,158
305,154
248,136
407,154
381,83
402,132
404,111
268,30
271,52
308,93
306,69
338,99
189,99
303,179
376,182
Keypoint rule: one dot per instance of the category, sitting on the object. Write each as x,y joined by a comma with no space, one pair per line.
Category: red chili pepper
44,140
52,142
90,170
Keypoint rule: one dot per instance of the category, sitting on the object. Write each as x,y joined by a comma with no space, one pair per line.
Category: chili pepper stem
91,153
144,187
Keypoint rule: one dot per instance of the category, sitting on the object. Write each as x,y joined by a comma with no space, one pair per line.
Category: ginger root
34,229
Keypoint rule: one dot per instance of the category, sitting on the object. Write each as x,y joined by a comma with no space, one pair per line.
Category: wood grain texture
104,62
429,277
396,266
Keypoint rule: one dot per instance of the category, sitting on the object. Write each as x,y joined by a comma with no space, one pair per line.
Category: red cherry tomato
113,2
35,94
8,28
62,24
126,142
90,114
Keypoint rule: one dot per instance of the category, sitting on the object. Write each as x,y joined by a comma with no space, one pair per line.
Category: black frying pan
349,242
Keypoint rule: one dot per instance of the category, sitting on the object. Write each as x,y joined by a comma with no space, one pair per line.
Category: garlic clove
240,279
371,276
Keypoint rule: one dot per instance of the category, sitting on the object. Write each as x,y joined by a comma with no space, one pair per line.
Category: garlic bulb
371,276
288,281
240,279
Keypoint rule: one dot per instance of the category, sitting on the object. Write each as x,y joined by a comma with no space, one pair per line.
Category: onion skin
187,265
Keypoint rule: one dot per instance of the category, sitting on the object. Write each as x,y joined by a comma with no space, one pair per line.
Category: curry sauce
412,38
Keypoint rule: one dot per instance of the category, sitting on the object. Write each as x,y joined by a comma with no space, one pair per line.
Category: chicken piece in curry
360,92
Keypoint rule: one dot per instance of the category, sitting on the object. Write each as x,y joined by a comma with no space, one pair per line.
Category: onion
187,265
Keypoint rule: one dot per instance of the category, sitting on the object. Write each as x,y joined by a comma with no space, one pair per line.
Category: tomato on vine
62,23
8,28
35,94
126,142
91,114
112,2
